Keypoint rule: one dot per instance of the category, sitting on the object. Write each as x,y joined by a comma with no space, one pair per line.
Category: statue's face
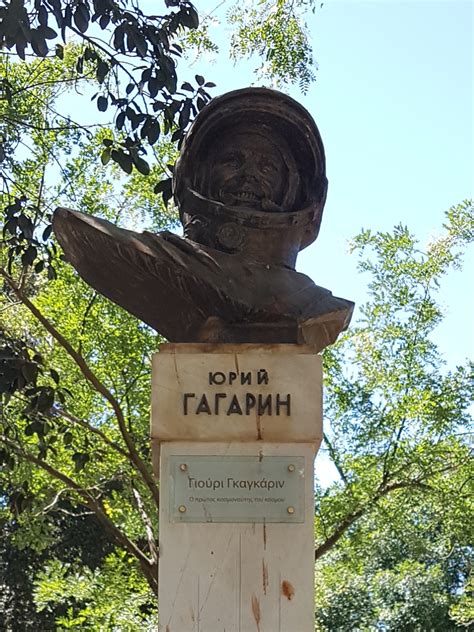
247,170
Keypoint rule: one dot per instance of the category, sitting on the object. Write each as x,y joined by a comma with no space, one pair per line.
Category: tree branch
94,505
152,542
394,444
90,376
335,459
339,531
90,428
90,304
48,128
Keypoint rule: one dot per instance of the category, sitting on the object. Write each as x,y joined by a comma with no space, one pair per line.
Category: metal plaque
237,489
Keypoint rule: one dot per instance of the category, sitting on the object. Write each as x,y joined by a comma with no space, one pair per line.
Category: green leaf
200,103
29,256
38,43
123,159
163,185
102,70
185,113
188,17
47,232
141,44
153,131
20,46
36,427
43,15
80,459
141,165
104,21
26,225
102,103
105,155
81,17
45,400
47,32
120,121
10,226
29,371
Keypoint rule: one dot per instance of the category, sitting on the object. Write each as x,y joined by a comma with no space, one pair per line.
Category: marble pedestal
235,429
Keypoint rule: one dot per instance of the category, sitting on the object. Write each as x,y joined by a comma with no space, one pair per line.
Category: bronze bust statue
250,186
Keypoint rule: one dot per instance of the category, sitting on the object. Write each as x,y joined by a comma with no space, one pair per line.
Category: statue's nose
248,177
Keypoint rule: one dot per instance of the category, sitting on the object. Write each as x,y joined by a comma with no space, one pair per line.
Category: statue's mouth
246,196
240,200
239,197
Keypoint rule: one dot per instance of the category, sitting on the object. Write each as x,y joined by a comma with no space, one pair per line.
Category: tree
396,522
278,35
131,57
80,539
48,442
404,567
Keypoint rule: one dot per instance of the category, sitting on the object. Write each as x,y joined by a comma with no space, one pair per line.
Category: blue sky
393,101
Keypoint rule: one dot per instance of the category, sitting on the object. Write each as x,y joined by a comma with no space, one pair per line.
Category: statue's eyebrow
232,153
268,161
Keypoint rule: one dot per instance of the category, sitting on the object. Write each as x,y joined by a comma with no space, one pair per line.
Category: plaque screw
291,468
182,509
291,510
183,467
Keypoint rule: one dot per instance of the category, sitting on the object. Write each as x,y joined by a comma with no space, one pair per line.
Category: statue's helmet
281,151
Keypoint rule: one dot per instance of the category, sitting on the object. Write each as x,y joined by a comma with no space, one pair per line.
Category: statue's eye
268,168
232,161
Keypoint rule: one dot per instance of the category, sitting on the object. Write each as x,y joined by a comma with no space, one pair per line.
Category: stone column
235,429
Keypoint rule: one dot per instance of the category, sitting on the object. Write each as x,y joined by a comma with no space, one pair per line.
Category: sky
393,101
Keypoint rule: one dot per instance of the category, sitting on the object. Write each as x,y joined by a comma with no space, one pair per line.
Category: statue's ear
310,234
312,230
